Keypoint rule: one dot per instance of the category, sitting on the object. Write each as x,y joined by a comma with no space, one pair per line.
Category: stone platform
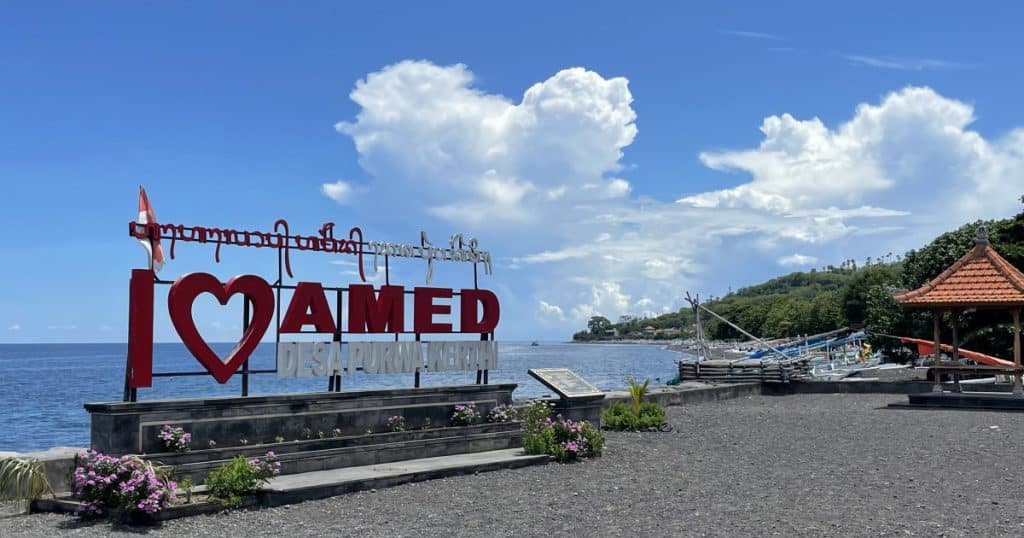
327,443
131,427
978,401
321,484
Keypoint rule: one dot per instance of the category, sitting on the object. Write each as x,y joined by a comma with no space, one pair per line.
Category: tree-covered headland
852,294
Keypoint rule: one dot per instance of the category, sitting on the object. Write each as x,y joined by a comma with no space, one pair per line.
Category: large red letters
367,313
384,314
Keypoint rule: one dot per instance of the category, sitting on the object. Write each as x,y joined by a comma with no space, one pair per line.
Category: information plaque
565,382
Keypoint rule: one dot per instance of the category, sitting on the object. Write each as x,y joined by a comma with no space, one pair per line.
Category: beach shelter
979,279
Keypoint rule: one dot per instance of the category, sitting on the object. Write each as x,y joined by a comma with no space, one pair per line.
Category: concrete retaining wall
689,393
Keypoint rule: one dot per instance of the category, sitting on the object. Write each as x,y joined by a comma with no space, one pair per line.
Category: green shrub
187,486
594,437
228,484
620,416
535,413
539,441
652,415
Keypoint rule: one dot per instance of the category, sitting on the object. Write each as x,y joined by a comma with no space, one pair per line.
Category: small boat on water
534,343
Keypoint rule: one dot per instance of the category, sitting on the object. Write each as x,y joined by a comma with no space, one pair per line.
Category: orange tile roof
980,278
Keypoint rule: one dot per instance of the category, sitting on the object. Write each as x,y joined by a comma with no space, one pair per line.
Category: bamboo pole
737,327
701,352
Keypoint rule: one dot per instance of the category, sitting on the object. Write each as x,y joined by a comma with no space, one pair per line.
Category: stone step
976,401
309,445
321,484
360,455
296,488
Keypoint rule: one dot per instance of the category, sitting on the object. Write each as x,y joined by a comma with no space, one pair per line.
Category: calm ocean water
45,385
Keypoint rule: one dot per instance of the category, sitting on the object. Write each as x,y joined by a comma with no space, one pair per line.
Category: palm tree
637,392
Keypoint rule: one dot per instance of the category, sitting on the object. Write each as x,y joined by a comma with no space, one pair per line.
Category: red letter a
308,307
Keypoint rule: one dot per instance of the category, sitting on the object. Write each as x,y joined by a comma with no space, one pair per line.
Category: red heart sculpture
179,302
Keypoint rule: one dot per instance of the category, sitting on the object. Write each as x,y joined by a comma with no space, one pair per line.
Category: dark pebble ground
808,465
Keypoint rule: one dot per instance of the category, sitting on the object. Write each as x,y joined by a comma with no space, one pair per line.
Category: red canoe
925,347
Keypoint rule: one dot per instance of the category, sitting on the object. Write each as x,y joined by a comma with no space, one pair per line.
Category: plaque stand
578,399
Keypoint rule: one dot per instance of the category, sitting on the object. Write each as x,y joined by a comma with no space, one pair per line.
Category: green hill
848,295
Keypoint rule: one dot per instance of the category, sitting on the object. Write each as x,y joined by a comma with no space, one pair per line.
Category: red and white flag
148,216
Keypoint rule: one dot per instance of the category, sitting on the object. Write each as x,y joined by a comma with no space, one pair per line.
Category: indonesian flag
148,216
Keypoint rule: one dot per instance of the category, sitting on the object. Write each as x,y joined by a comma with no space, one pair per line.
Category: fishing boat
827,356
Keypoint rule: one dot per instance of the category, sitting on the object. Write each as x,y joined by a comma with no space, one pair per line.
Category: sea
44,386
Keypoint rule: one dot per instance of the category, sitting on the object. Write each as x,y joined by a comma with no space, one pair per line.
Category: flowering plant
503,413
565,439
175,439
266,467
574,440
465,414
241,477
119,486
396,423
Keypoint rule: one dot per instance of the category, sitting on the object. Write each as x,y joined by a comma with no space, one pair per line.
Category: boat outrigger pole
696,305
703,350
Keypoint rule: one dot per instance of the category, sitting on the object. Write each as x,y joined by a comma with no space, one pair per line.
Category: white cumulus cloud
910,151
550,313
538,176
483,159
606,299
339,191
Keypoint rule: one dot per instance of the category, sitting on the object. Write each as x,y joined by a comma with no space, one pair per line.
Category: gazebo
979,279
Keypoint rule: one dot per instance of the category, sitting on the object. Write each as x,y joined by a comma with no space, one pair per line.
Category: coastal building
981,279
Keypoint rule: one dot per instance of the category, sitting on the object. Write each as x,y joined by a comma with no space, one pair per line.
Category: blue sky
610,157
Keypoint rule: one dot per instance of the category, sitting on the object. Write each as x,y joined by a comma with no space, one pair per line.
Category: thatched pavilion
981,279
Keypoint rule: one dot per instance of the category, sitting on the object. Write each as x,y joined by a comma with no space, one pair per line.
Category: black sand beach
807,465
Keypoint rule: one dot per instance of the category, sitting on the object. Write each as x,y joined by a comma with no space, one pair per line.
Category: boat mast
696,304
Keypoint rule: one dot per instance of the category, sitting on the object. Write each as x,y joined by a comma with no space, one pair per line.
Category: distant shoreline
663,343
